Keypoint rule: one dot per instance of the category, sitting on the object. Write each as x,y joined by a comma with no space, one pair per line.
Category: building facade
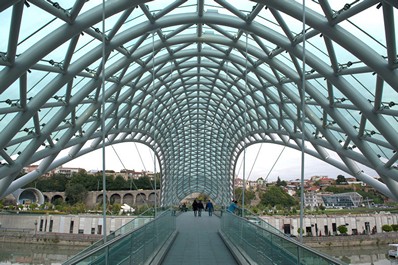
342,200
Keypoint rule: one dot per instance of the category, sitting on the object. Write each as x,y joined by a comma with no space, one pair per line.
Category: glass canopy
198,82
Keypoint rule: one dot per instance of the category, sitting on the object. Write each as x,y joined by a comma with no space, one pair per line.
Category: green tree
55,182
275,195
341,180
249,195
280,182
88,181
58,201
98,181
143,183
75,193
157,176
108,182
119,183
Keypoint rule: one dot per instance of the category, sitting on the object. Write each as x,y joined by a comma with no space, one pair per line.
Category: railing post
298,255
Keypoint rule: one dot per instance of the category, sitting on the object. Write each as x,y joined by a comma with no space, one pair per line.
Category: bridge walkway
198,242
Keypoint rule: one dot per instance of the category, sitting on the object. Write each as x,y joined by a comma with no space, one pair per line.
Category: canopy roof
198,82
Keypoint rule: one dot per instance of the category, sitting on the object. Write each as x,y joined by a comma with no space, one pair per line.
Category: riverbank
28,236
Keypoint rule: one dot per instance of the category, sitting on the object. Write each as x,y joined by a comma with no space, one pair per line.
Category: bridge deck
198,242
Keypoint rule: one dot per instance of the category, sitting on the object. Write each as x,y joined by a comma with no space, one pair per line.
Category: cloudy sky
139,157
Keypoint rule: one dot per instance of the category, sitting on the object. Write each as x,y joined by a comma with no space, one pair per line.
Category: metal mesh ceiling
199,81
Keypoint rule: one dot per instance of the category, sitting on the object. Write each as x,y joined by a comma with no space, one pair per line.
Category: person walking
195,207
200,208
209,207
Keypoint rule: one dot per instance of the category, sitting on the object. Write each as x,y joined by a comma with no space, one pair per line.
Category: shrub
342,229
298,231
394,227
386,228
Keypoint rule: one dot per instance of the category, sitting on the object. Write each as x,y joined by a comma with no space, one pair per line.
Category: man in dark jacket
200,208
195,207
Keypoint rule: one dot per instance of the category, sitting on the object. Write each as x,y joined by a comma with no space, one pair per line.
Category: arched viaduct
130,197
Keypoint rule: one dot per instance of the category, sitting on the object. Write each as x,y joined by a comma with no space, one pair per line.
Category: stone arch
115,199
151,198
100,198
57,198
128,198
140,198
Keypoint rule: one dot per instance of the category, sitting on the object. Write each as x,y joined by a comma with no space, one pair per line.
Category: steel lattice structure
199,81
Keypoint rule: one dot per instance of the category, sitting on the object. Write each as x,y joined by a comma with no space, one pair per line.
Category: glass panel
264,244
133,243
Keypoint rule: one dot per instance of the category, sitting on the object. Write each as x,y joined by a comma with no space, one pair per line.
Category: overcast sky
139,157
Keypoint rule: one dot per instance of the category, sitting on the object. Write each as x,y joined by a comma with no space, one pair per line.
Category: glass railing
138,221
130,245
264,244
255,219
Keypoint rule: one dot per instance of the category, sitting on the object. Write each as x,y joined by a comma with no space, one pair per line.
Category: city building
342,200
313,199
68,171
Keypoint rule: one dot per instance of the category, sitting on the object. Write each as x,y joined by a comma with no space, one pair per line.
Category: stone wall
28,236
382,239
85,224
326,225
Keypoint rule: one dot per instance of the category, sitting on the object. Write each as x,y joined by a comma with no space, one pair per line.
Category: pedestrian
195,207
200,208
209,207
233,206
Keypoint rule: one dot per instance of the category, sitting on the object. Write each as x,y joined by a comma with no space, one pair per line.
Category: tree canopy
277,196
341,180
280,182
59,182
249,195
75,192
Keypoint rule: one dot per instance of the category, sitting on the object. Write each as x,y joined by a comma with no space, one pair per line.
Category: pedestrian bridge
199,82
181,238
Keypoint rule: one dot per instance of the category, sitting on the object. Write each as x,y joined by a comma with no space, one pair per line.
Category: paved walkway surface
198,242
